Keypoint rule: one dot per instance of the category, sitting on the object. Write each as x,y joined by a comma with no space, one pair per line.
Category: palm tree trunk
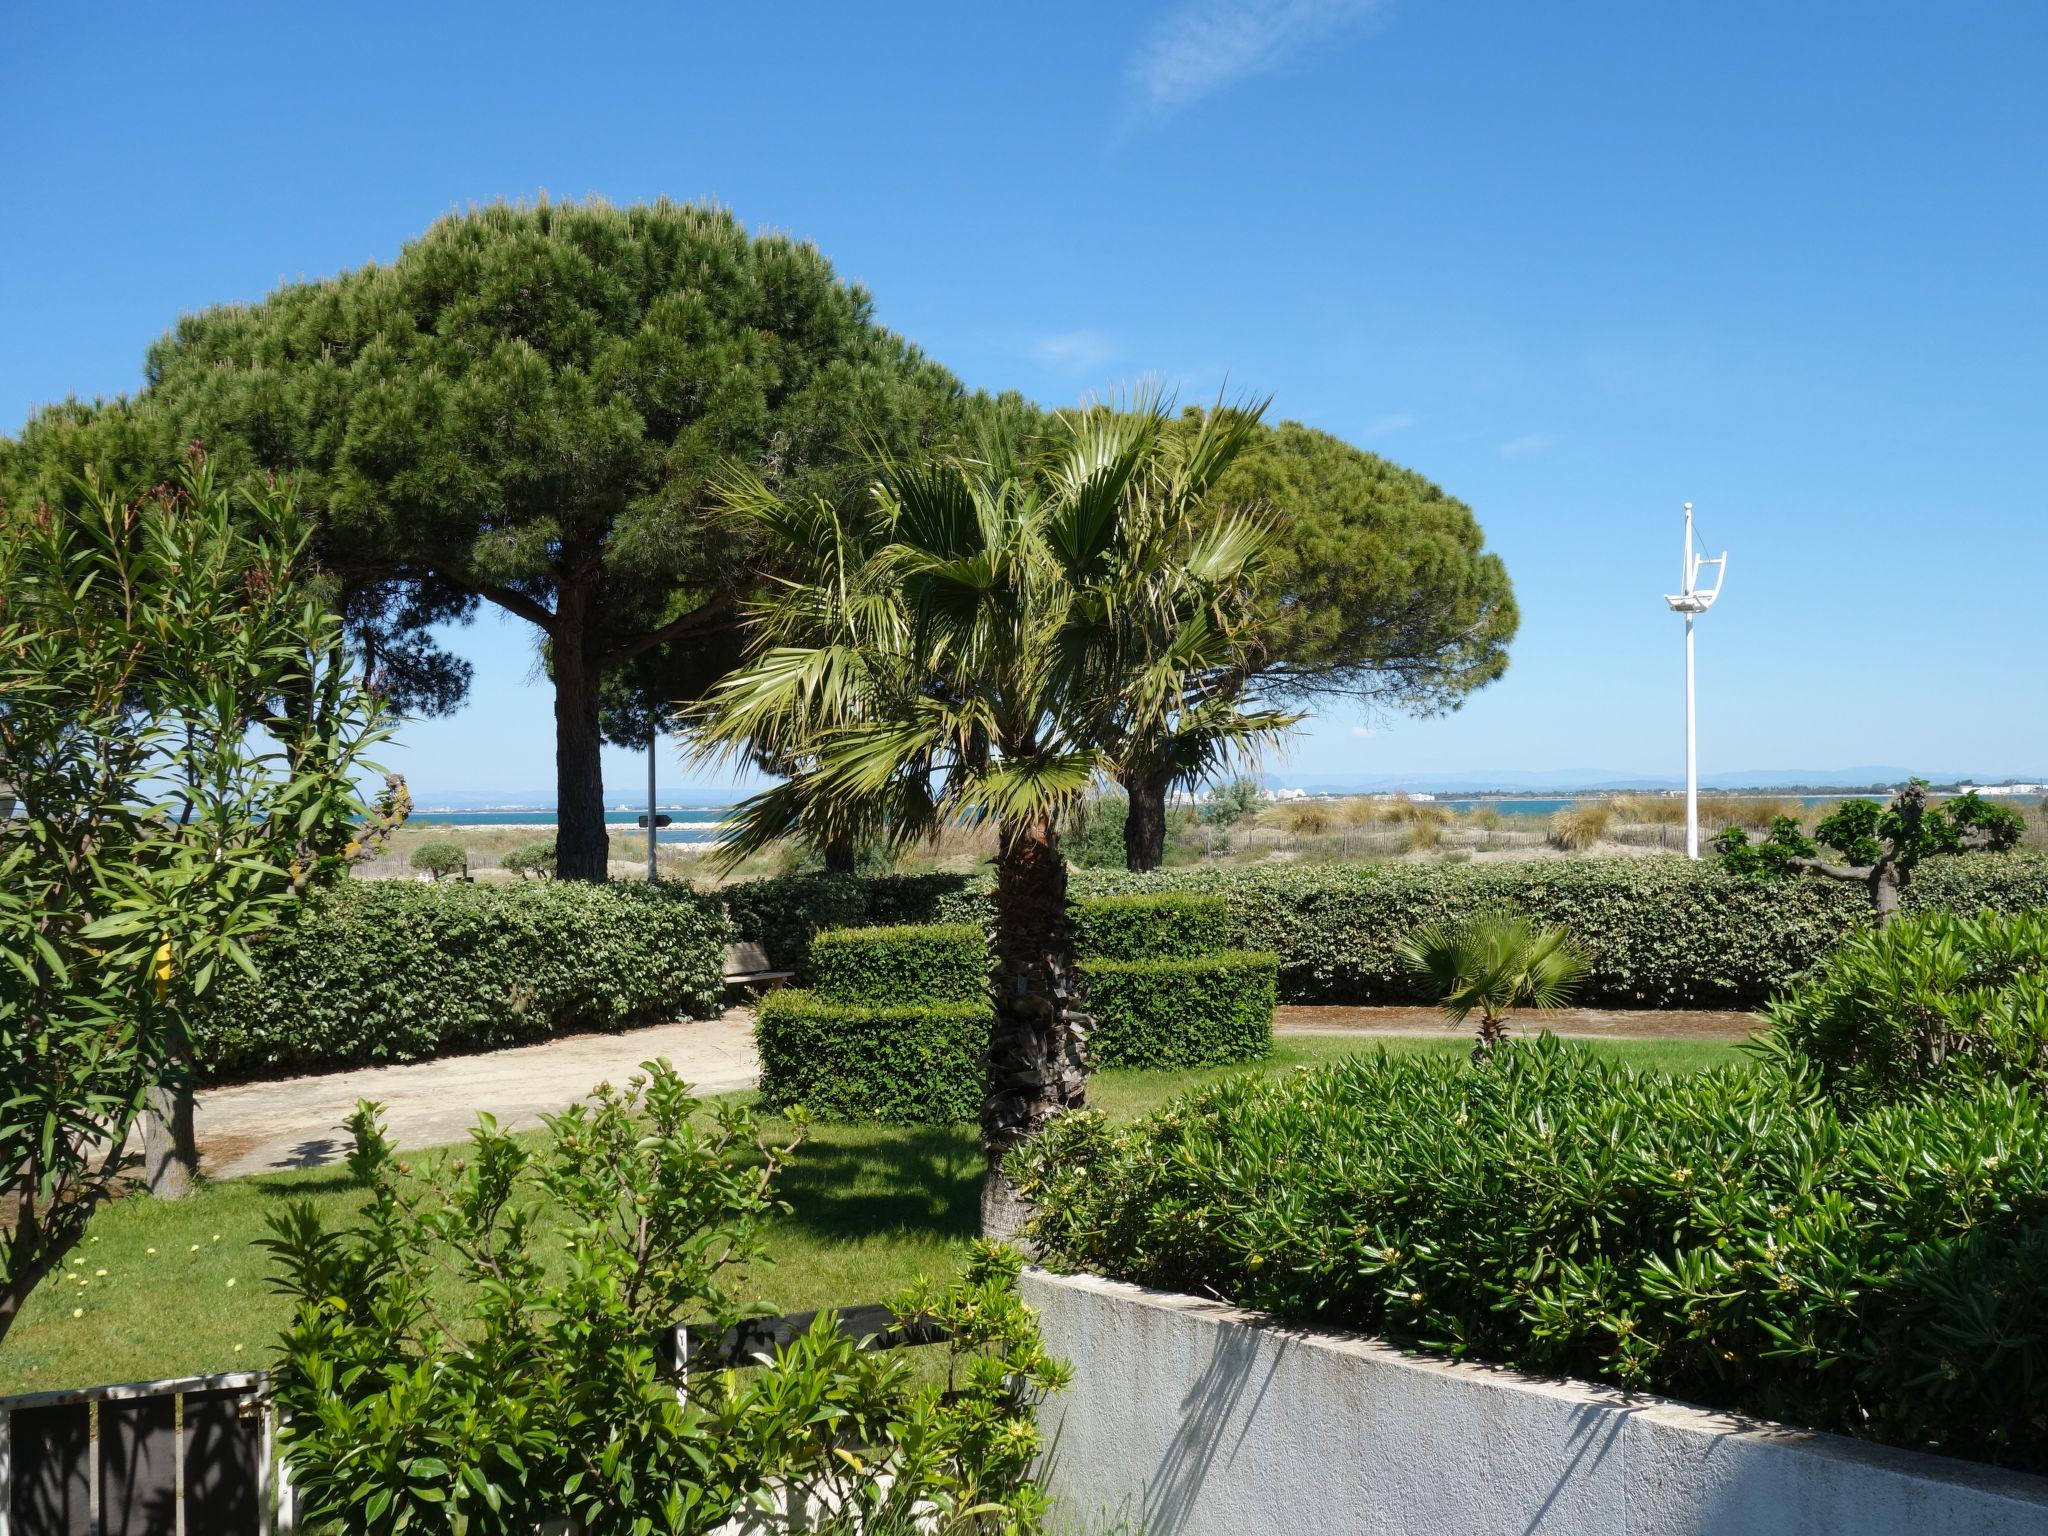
1145,826
1037,1049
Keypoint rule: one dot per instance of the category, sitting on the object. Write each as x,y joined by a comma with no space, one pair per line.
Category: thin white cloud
1361,730
1522,447
1204,45
1386,426
1072,349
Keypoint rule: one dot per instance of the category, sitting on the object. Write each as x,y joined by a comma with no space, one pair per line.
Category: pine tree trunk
1145,826
582,846
1037,1052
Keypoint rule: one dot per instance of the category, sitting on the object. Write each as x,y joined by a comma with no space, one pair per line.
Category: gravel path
296,1122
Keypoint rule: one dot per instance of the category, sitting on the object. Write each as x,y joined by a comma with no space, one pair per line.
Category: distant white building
2008,789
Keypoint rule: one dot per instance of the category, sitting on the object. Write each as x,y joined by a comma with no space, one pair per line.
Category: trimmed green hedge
931,962
1733,1237
1196,1011
391,970
1661,932
1152,925
905,1064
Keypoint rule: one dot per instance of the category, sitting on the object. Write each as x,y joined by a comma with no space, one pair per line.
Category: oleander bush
1658,932
1181,1011
390,970
902,1063
483,1349
929,962
1734,1237
1933,997
1151,926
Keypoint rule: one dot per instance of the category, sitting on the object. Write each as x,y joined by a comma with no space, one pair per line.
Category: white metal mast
1692,602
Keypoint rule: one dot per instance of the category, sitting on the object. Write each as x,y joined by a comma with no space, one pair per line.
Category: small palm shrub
486,1348
1734,1238
441,860
531,860
1492,963
1578,827
1932,997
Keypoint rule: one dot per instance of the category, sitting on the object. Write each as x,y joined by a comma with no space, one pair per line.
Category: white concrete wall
1190,1418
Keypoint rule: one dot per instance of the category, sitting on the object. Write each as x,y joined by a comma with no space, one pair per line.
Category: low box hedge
907,963
387,970
1151,925
1733,1238
1661,932
1181,1011
902,1064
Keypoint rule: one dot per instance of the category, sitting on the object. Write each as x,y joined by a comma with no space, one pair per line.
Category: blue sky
1577,264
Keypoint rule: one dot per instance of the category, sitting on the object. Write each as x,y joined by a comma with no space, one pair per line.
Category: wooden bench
747,968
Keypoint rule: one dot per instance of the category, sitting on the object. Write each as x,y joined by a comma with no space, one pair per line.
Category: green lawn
175,1289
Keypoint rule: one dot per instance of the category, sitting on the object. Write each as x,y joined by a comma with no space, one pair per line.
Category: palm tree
1491,962
1189,725
969,646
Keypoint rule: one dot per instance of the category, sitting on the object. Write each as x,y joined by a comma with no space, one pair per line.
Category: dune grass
175,1289
1578,827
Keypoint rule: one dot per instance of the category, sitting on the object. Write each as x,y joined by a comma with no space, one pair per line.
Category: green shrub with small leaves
441,859
531,860
918,1063
392,970
1194,1011
1151,926
484,1349
1931,998
1734,1237
1657,933
931,962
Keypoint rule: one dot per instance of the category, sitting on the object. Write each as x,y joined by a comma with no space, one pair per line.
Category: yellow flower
78,1311
231,1280
149,1250
99,1272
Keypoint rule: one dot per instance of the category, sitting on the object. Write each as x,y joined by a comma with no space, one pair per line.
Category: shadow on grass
854,1182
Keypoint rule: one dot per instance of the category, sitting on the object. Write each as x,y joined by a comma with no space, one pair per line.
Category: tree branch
720,613
506,598
1856,873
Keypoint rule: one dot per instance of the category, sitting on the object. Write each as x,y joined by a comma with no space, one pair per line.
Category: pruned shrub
390,970
1730,1237
782,915
930,962
1150,926
531,860
901,1063
1184,1011
441,860
1933,997
1658,932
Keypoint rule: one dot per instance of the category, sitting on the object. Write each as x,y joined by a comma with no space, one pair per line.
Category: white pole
1686,571
652,737
1692,759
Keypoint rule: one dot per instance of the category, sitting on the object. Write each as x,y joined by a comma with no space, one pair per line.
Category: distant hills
1582,781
